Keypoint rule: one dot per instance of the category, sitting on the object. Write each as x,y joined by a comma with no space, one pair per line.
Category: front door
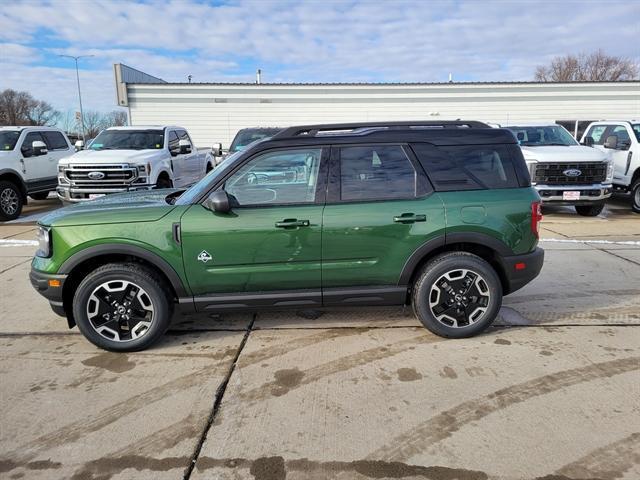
269,245
380,209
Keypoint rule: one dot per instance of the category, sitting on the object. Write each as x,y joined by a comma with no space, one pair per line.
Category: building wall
215,112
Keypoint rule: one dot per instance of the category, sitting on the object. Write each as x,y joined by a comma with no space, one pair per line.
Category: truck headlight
531,166
609,171
43,235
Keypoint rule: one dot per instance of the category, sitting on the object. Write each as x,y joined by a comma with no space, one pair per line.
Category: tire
118,282
429,295
635,196
590,210
164,182
11,201
209,168
39,195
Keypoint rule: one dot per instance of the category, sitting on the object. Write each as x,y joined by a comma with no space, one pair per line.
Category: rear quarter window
469,167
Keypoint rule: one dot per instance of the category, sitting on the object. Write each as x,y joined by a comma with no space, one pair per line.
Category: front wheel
122,307
457,295
590,210
11,201
635,196
164,182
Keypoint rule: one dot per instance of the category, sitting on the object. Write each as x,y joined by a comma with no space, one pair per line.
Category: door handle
409,218
292,222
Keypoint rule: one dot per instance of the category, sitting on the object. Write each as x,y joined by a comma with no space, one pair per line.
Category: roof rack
368,127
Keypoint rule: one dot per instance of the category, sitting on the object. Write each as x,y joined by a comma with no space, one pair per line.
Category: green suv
438,215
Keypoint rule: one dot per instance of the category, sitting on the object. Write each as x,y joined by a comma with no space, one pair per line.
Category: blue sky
299,41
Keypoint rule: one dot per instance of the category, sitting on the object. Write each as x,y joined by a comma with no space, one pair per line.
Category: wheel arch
14,177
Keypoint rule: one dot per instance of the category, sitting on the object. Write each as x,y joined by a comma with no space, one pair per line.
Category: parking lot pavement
549,392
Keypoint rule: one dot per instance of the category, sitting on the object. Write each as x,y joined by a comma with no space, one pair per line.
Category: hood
127,207
112,156
571,153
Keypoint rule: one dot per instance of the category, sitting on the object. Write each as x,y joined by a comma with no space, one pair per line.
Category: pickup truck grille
112,175
552,173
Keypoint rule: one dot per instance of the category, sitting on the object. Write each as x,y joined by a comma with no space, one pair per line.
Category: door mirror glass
39,148
588,141
216,150
79,145
611,142
218,202
184,146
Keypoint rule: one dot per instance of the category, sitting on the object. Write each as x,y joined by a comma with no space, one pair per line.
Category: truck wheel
122,307
457,295
39,195
635,196
164,182
590,210
11,201
209,168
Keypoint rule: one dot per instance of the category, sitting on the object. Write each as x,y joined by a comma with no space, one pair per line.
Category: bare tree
116,118
93,123
596,66
42,113
20,108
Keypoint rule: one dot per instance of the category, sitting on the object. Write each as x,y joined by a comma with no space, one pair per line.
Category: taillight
536,218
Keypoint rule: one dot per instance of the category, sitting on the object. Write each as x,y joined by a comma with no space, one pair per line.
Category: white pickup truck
563,171
132,158
28,165
620,140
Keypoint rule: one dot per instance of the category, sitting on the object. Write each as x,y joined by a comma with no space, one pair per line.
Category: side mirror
79,145
218,202
216,150
39,148
588,142
611,142
185,146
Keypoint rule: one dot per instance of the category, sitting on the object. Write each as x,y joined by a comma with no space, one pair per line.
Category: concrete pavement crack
218,401
14,266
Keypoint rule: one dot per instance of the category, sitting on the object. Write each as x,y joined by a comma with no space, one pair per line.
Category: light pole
79,94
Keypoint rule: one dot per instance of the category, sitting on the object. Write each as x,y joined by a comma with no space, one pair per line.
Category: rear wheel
635,196
39,195
457,295
11,201
590,210
122,307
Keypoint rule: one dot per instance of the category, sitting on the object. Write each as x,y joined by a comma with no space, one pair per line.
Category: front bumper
70,194
50,286
589,194
521,269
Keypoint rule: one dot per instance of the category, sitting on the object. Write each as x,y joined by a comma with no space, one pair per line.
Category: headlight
142,169
531,166
43,236
60,168
609,171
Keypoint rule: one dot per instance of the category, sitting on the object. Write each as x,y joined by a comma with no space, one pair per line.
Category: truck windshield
636,130
546,135
249,135
128,140
8,139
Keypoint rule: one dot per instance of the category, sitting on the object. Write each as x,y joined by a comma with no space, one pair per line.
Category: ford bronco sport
439,215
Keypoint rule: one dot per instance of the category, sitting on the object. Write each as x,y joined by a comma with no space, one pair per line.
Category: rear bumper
521,269
41,282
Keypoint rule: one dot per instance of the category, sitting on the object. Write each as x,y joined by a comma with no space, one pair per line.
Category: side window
174,142
277,178
597,133
183,135
622,133
470,167
55,141
31,137
381,172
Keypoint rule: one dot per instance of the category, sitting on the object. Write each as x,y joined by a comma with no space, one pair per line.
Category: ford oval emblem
96,175
572,172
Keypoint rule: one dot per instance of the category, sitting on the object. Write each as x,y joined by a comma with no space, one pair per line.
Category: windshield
128,140
246,137
636,130
190,196
8,139
543,136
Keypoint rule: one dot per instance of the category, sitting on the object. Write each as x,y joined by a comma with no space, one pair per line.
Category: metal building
214,112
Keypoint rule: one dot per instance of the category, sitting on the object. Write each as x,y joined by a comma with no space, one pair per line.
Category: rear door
194,166
178,165
380,209
58,147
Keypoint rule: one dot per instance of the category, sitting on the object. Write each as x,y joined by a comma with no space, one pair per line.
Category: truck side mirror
185,146
79,145
218,202
611,142
216,150
39,148
588,141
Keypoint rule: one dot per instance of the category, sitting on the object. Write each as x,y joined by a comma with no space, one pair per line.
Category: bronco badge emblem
204,256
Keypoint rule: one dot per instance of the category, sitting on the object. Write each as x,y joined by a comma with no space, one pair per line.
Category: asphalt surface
550,392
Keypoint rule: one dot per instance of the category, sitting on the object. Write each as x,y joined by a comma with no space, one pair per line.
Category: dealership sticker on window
571,195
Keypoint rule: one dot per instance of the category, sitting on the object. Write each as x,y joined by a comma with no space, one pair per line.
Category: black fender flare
123,249
424,250
21,185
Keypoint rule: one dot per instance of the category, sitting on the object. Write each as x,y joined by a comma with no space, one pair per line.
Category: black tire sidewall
590,210
438,267
3,186
634,188
159,299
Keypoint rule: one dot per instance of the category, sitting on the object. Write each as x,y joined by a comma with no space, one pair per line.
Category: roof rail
363,128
